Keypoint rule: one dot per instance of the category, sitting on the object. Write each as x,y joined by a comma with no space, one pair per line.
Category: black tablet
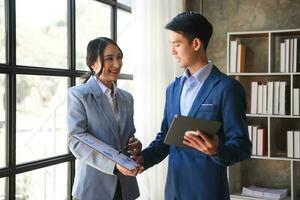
181,124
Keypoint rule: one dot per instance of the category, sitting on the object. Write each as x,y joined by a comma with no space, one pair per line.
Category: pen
124,150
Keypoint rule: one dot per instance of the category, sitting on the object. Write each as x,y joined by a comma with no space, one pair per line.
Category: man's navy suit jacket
191,173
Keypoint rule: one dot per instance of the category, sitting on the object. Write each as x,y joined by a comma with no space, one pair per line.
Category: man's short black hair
191,25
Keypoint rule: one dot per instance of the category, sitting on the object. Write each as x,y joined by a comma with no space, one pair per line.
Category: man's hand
134,146
140,162
201,142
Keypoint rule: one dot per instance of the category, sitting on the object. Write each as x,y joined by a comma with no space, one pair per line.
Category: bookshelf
266,60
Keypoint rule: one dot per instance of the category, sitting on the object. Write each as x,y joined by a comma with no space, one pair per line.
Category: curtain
154,69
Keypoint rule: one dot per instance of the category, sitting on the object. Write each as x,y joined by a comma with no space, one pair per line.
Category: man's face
181,49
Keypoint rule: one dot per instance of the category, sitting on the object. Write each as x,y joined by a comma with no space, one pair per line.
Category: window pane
41,117
2,32
93,19
41,33
79,80
126,85
3,189
125,39
126,2
43,184
2,121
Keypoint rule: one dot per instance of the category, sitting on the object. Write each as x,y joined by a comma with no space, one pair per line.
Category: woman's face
112,64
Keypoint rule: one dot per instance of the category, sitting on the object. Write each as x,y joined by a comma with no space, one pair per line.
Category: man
201,92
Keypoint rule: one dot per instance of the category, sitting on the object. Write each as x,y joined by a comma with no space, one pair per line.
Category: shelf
274,116
285,116
275,158
286,31
256,115
259,55
250,33
262,74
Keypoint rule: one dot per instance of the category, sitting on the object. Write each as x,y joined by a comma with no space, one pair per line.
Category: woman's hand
125,171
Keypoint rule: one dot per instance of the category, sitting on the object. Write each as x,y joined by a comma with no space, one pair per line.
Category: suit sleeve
77,123
234,145
157,150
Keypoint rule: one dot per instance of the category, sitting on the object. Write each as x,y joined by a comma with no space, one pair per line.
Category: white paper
265,193
105,150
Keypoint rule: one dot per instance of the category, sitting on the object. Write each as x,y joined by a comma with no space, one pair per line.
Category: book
254,91
296,96
250,132
241,58
265,100
105,150
282,98
233,56
276,98
260,99
291,55
296,144
287,55
295,55
254,140
270,97
282,57
182,124
261,142
290,144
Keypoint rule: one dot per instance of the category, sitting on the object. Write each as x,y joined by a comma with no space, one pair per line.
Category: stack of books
258,138
269,98
289,55
265,193
237,57
293,144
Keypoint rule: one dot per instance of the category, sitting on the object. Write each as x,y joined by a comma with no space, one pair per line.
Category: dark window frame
11,70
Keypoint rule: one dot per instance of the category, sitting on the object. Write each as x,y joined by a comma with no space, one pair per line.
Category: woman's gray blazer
89,112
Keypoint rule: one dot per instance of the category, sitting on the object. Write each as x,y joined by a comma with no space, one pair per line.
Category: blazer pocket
207,108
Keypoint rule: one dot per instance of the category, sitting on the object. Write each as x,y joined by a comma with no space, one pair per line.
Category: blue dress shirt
192,85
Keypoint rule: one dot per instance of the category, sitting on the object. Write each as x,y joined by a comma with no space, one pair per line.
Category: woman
99,108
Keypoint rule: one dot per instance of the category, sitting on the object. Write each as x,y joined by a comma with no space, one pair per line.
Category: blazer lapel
122,106
205,90
177,93
104,107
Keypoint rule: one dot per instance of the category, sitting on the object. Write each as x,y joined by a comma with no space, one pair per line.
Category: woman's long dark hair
96,48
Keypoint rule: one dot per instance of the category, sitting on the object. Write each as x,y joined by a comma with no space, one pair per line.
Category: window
47,49
126,2
41,117
3,189
93,19
41,33
2,121
2,32
54,182
125,28
126,85
79,80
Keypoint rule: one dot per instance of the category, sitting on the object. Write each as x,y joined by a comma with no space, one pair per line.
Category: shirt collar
105,89
199,75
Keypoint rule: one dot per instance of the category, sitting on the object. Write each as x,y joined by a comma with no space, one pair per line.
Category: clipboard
105,150
181,124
